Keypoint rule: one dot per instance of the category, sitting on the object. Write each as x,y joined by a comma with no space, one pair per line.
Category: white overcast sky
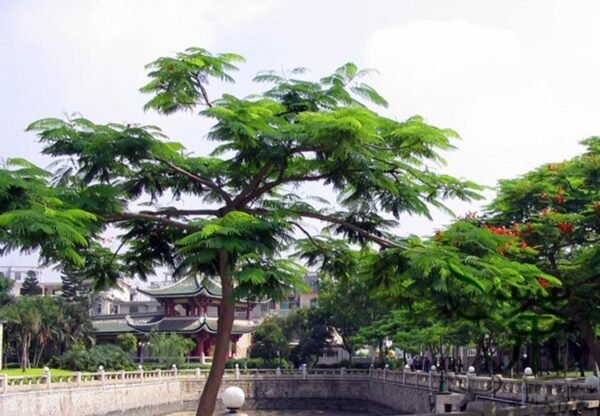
518,79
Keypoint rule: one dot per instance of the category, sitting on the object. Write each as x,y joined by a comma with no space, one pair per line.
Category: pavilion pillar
248,312
233,346
208,344
200,338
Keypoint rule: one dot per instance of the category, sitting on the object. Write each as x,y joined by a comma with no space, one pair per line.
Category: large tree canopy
243,206
555,209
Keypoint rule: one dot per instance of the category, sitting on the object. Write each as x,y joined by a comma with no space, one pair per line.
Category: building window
133,309
114,309
329,353
17,275
99,308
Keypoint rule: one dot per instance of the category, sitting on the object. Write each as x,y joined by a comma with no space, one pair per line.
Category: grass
34,372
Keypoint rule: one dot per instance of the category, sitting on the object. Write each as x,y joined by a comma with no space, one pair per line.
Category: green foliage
170,347
555,209
348,305
33,217
31,285
308,327
269,341
178,83
111,357
127,342
6,286
246,212
258,363
25,320
41,327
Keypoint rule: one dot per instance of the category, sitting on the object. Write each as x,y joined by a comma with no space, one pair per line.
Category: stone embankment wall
361,394
405,399
91,401
165,396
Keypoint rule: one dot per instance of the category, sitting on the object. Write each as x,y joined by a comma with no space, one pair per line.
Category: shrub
110,356
171,347
127,342
258,363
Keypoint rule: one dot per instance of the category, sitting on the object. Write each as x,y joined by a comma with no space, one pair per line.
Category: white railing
495,387
516,390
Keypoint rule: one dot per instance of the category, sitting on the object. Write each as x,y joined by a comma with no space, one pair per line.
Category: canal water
310,412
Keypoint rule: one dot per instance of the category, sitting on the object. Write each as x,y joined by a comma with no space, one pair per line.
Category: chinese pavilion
190,307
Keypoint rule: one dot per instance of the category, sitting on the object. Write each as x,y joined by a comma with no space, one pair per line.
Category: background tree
269,341
24,320
308,329
170,348
297,132
556,210
31,285
6,286
76,289
348,305
127,342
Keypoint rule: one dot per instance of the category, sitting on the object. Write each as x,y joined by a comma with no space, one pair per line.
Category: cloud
439,48
89,57
480,80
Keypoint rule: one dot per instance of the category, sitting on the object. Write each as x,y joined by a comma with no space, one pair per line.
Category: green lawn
33,372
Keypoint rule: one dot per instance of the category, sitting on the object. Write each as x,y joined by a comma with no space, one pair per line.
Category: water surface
281,413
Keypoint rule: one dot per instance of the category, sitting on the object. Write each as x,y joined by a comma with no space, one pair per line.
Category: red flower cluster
597,206
513,231
559,198
565,227
543,282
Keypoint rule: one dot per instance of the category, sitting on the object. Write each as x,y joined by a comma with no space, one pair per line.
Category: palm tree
26,320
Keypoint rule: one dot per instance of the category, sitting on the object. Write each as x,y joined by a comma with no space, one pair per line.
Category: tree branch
267,187
306,233
204,181
202,90
127,216
260,175
174,212
383,242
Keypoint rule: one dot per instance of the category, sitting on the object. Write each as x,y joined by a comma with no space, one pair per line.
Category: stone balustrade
512,390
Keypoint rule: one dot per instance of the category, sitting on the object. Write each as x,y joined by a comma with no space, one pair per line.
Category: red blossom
565,227
503,230
543,282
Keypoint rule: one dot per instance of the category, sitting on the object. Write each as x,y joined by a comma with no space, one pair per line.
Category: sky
518,80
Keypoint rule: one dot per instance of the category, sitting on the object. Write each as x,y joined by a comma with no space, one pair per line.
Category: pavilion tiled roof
188,286
159,323
111,325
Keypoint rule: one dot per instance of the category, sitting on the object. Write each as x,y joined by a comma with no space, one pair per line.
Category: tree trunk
25,353
591,340
208,399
